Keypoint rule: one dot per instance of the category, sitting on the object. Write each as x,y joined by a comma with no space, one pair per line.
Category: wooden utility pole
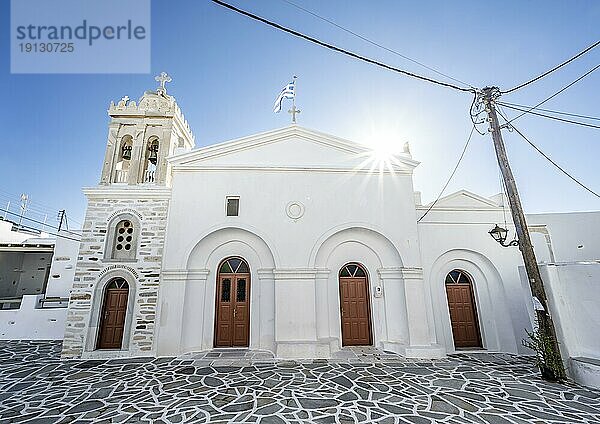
544,320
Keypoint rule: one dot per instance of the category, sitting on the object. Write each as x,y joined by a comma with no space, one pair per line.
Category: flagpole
294,102
293,111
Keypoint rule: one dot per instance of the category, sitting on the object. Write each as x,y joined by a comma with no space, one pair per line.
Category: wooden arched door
113,314
463,311
355,309
232,311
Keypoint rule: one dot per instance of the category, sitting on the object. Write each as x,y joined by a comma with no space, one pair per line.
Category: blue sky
227,70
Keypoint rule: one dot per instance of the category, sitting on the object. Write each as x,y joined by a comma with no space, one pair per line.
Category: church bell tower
142,135
114,300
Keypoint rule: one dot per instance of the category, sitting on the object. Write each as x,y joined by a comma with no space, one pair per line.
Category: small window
124,244
457,276
352,271
240,293
233,206
225,290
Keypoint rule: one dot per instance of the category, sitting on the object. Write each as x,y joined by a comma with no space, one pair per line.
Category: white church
290,241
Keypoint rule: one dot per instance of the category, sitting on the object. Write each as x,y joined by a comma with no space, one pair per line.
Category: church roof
290,145
464,199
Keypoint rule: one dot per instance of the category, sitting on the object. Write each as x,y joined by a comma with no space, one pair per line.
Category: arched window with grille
122,239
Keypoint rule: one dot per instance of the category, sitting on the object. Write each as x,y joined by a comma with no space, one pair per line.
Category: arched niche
373,251
205,257
95,318
380,245
495,322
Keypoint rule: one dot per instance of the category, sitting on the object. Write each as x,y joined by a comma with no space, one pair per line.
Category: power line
581,53
39,222
48,232
33,206
374,43
556,118
557,93
451,175
548,158
338,49
37,205
576,115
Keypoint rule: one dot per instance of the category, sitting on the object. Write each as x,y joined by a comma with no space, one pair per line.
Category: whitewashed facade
296,206
36,275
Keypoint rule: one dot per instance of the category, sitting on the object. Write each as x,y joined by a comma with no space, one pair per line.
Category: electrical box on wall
378,291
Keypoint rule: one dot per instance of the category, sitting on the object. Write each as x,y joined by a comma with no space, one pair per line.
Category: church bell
126,153
153,155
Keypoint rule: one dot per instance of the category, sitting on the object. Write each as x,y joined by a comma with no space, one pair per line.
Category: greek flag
288,92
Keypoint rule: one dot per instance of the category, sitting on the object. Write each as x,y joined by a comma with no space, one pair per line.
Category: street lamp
499,234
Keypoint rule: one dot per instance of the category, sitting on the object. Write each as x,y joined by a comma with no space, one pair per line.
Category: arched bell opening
124,159
150,161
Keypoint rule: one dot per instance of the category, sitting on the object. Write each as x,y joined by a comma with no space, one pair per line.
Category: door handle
342,311
234,312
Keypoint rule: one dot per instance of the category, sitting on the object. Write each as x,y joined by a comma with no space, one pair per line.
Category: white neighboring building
290,240
568,249
36,274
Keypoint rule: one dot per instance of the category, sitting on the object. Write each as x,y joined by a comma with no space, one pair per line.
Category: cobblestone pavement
237,386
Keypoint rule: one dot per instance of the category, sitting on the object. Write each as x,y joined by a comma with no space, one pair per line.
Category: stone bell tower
112,306
142,135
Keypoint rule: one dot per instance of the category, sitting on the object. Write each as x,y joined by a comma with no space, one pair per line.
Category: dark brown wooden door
463,316
232,326
112,323
355,311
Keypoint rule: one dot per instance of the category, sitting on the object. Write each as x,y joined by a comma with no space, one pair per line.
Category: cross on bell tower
162,79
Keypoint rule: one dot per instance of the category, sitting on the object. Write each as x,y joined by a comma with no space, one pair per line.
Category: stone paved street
238,386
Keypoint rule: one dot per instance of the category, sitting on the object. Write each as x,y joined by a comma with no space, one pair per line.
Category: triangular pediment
290,147
464,199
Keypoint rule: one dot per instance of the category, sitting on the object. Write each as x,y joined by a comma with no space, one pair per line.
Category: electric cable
338,49
581,53
451,175
40,206
39,222
374,43
548,158
557,93
475,110
556,118
575,115
47,232
33,206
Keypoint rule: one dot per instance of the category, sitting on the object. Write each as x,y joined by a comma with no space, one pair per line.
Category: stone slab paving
357,386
